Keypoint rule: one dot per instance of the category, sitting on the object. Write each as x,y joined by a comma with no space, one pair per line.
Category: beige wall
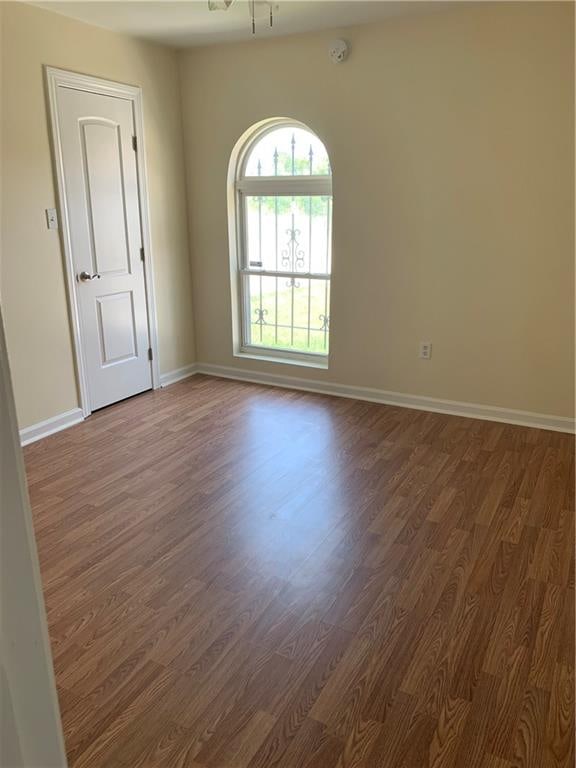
30,727
31,277
451,139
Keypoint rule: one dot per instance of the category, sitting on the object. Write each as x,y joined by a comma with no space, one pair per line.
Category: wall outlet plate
425,350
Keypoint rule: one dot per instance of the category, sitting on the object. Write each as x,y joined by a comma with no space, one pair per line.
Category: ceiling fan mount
256,9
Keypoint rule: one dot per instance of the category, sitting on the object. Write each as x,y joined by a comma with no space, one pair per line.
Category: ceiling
189,22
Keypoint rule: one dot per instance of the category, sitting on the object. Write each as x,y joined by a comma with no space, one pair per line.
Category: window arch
282,248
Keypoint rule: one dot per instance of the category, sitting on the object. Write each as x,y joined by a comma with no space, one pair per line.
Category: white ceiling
189,22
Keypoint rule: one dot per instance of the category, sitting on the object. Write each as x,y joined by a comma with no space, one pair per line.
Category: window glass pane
288,313
289,234
288,151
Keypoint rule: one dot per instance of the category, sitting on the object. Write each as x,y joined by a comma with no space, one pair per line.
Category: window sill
314,362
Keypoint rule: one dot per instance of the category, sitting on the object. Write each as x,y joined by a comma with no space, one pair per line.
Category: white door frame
56,78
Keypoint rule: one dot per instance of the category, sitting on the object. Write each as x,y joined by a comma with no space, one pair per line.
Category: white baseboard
177,375
417,402
50,426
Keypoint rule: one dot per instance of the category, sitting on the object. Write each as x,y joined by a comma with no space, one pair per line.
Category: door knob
87,276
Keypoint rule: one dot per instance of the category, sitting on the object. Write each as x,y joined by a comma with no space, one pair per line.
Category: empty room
287,384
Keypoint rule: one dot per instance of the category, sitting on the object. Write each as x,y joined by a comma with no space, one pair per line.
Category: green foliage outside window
313,205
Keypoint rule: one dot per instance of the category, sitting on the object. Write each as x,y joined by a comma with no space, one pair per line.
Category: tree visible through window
284,199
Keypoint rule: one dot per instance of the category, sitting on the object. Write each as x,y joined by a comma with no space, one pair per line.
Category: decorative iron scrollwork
293,255
260,316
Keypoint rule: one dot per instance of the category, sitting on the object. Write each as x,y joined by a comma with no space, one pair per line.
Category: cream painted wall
31,276
451,138
30,727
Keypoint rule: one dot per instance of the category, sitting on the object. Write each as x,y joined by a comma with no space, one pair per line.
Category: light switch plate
51,218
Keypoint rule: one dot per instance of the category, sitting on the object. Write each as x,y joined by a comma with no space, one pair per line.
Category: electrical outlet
425,350
51,218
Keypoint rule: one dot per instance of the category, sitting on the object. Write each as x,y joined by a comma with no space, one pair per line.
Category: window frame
241,187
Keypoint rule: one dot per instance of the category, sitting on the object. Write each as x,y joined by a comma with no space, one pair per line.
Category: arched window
282,226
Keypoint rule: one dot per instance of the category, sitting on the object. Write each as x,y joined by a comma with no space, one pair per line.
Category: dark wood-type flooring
248,577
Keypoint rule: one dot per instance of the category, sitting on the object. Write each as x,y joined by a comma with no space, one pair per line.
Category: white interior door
101,194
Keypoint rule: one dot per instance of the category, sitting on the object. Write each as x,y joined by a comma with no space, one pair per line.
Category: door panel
101,190
102,156
117,327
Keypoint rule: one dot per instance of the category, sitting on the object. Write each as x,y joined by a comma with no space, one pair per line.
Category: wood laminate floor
240,576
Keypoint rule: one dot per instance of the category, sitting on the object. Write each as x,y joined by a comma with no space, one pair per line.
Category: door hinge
142,252
149,353
134,143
